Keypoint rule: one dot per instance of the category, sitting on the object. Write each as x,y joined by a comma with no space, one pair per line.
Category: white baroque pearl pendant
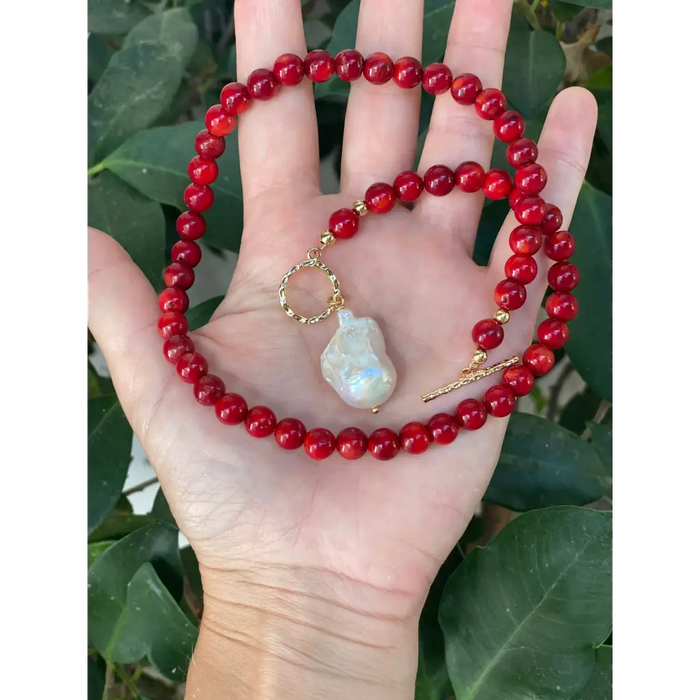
355,362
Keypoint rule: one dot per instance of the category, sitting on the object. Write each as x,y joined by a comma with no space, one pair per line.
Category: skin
315,573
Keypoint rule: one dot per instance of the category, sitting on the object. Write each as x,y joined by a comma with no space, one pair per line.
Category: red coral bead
465,89
378,68
553,219
526,240
497,184
563,277
235,99
179,275
444,428
191,366
509,126
198,197
521,152
290,433
521,268
209,146
408,72
553,333
514,197
530,210
561,305
439,180
469,176
319,66
260,422
415,438
262,84
380,198
351,443
289,69
408,186
173,299
202,171
520,379
531,179
490,103
437,79
186,251
349,65
177,346
499,400
208,389
471,413
559,246
509,294
344,223
539,359
319,443
487,334
384,444
190,225
218,121
231,409
172,323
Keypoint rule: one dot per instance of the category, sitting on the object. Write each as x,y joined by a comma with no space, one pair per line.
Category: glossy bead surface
490,103
514,197
231,409
378,68
539,359
290,433
520,379
487,334
319,443
179,275
173,299
351,443
187,252
344,223
497,184
559,246
530,210
209,146
218,121
198,197
563,277
509,295
466,88
415,438
469,176
499,400
319,66
553,220
235,99
260,422
408,186
172,323
174,348
509,126
531,179
383,444
521,152
349,65
561,305
202,171
262,84
521,268
471,414
408,72
191,366
526,240
289,69
439,180
190,225
208,389
380,198
444,428
553,333
437,79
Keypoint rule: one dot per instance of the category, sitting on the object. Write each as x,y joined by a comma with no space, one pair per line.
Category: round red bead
439,180
380,198
198,197
415,438
218,121
521,268
319,443
319,66
465,89
561,305
179,275
530,210
351,443
539,359
521,152
290,433
408,72
384,444
344,223
186,251
202,171
444,428
520,379
191,366
289,69
408,186
260,422
509,295
559,246
437,79
499,400
553,219
531,179
469,176
262,84
174,348
497,184
563,277
173,299
487,334
209,146
471,413
378,68
208,389
172,323
509,126
231,409
526,240
190,225
349,64
514,197
490,103
553,333
235,98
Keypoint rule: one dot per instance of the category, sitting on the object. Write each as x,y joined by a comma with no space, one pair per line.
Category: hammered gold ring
311,263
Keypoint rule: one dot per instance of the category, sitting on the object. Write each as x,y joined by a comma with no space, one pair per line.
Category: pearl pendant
355,362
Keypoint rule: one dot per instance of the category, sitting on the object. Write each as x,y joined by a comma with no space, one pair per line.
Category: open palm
387,526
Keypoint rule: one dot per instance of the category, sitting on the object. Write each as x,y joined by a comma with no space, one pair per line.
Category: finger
476,44
278,139
381,125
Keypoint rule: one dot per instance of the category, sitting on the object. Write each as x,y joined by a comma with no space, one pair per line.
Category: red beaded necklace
539,226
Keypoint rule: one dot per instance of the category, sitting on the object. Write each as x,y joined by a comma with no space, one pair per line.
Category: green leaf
96,550
600,4
605,123
580,409
534,69
161,509
543,464
590,345
118,524
96,678
564,11
94,388
601,439
600,83
191,568
99,55
599,686
199,315
115,17
137,85
109,454
522,616
155,163
135,222
492,219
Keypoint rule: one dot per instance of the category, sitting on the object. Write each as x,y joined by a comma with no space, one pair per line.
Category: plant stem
140,487
529,12
109,683
559,31
98,168
598,418
126,680
535,5
556,390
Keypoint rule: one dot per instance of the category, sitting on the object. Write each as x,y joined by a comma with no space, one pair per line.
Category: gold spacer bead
360,207
327,239
479,356
501,316
375,410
